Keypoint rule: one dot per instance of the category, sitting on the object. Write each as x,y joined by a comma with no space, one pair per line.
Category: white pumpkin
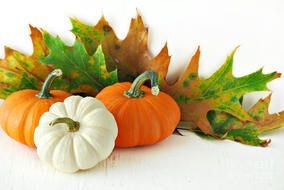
75,134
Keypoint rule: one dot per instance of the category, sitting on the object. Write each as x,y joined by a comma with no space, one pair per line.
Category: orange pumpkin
21,111
144,116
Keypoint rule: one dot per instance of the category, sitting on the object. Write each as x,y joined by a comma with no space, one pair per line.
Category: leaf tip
197,52
34,31
73,21
7,50
103,18
99,48
31,27
265,143
234,50
278,75
198,48
137,20
138,13
165,50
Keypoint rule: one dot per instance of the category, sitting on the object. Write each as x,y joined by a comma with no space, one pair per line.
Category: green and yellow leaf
19,71
220,92
82,72
226,126
131,55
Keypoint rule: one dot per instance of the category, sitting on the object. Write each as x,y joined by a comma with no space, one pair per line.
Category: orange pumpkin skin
141,121
21,111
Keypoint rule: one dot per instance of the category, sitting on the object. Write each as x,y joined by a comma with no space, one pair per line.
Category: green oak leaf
82,72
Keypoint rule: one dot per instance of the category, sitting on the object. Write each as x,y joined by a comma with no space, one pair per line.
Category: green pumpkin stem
45,89
72,126
135,89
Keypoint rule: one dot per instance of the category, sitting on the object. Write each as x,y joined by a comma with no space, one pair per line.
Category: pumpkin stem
44,92
135,89
72,126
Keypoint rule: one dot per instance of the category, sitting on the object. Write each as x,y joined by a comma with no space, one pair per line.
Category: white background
187,162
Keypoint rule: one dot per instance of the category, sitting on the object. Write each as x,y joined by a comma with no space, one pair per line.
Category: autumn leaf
82,72
131,55
226,126
220,92
19,71
216,103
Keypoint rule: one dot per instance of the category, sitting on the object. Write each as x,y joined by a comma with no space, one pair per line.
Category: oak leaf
19,71
82,72
131,55
220,92
226,126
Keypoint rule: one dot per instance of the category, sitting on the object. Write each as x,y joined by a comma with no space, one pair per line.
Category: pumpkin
21,111
144,116
76,134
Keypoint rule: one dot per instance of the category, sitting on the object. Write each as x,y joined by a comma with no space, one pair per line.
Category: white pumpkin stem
72,126
45,89
135,89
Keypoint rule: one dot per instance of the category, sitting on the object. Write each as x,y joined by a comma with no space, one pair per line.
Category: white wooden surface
179,162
